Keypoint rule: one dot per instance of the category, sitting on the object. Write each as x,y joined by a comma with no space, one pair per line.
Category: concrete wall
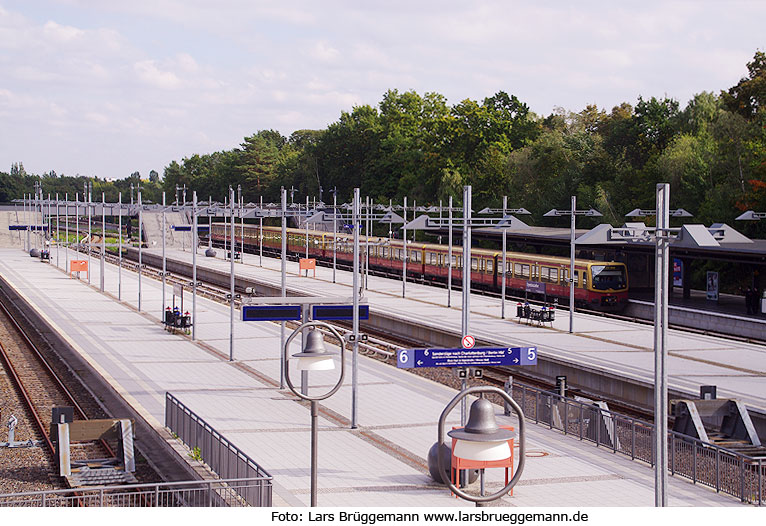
702,320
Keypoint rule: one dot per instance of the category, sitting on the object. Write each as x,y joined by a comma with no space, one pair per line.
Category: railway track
41,389
36,381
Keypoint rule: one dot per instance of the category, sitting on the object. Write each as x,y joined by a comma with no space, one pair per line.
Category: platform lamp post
662,235
572,213
231,278
482,440
66,231
119,246
164,260
314,357
58,232
283,262
89,191
140,245
505,211
103,238
334,230
195,241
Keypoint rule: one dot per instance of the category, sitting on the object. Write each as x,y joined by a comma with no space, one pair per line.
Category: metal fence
724,470
223,457
210,493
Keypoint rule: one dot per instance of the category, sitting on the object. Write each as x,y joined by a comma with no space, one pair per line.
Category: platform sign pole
307,234
571,264
404,252
367,246
58,232
449,255
164,261
66,231
334,231
660,339
284,285
466,318
103,237
241,228
119,247
260,234
140,243
195,240
355,322
77,221
90,229
210,223
50,224
231,278
502,274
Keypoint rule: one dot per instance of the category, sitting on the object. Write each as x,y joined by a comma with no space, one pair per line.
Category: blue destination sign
271,313
476,357
182,228
339,312
536,286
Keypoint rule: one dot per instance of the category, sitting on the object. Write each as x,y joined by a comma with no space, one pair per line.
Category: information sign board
338,312
476,357
271,313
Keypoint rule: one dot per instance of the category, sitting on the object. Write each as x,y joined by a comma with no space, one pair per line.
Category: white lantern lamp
481,439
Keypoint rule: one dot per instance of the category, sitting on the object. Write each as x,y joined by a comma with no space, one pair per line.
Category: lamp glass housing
482,451
321,362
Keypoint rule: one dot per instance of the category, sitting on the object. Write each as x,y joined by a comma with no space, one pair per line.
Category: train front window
608,277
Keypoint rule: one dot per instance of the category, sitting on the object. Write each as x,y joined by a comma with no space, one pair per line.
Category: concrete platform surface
382,463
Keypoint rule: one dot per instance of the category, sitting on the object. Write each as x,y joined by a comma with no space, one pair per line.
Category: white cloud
324,52
62,33
149,73
111,87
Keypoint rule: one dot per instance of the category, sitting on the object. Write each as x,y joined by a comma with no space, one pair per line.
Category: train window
459,262
385,252
490,265
415,256
548,274
474,264
521,270
432,258
399,253
509,268
454,261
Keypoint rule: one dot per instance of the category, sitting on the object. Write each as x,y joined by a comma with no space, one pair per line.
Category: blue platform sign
476,357
182,228
271,313
339,312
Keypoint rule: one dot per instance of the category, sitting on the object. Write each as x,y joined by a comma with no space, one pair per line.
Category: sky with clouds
105,88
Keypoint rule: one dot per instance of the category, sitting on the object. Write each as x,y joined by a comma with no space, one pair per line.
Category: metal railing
208,493
703,463
223,457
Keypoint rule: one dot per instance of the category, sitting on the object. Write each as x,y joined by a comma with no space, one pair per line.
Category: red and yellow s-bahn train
599,285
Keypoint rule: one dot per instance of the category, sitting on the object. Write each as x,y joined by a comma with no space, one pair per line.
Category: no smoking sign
468,341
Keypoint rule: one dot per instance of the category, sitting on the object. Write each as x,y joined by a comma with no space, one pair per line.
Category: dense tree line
712,151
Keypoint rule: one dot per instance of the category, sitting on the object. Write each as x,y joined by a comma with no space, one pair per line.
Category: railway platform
381,463
615,354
